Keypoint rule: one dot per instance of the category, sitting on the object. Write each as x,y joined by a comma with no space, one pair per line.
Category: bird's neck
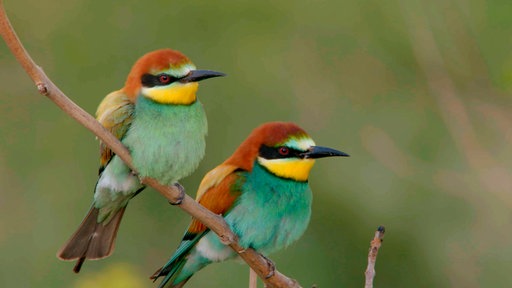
276,191
157,117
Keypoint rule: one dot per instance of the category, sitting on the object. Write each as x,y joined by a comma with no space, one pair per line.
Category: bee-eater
158,117
262,192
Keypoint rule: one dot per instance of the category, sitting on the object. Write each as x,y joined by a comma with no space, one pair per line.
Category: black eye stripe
149,80
273,152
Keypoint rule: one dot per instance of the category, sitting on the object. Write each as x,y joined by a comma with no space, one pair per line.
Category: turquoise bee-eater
158,117
262,192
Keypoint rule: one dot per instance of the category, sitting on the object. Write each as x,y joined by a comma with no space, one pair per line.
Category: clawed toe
271,267
180,198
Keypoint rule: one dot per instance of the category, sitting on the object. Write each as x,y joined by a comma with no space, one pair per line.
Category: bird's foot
271,267
180,198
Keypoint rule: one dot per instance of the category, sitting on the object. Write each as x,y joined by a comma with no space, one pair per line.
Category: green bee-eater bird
158,118
262,192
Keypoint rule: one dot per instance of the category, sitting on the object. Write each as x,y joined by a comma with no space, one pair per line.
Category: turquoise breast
272,212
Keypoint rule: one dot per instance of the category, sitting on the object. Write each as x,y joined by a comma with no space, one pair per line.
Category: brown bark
271,278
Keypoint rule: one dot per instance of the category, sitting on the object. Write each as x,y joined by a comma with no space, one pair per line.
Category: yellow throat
176,93
292,168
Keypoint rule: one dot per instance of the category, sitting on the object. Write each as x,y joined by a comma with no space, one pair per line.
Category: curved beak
321,152
198,75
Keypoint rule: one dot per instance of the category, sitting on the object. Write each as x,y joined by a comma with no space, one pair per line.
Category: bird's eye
283,151
164,78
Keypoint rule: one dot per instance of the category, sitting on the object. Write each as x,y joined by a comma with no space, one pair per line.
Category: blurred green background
418,92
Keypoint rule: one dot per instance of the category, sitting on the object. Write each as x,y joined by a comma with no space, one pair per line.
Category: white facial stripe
264,161
177,72
146,90
302,144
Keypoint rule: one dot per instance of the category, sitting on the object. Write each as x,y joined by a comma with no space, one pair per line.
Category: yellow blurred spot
118,275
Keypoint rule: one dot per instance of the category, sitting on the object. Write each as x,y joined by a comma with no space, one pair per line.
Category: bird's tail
170,276
92,240
172,271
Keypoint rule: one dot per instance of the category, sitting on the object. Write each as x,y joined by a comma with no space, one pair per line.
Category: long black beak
321,152
198,75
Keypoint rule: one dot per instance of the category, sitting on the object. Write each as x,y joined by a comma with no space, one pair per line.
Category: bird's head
284,149
166,76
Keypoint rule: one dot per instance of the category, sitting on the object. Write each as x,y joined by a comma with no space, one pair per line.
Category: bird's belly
170,159
115,187
254,231
212,249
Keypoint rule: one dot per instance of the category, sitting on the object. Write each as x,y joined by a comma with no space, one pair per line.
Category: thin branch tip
372,256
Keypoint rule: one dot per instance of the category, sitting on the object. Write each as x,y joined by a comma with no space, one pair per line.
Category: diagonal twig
215,222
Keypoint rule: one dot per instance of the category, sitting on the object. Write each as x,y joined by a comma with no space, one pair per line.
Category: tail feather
92,240
173,269
171,276
79,264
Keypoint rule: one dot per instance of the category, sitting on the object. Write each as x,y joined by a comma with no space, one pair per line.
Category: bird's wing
213,178
217,192
115,113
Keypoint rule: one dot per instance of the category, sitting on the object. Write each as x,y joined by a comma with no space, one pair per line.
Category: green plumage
158,118
167,141
270,213
262,192
280,210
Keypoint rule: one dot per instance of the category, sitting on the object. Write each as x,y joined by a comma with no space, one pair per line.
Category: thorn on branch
41,87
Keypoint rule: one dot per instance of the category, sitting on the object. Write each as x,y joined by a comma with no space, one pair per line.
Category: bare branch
216,223
372,256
